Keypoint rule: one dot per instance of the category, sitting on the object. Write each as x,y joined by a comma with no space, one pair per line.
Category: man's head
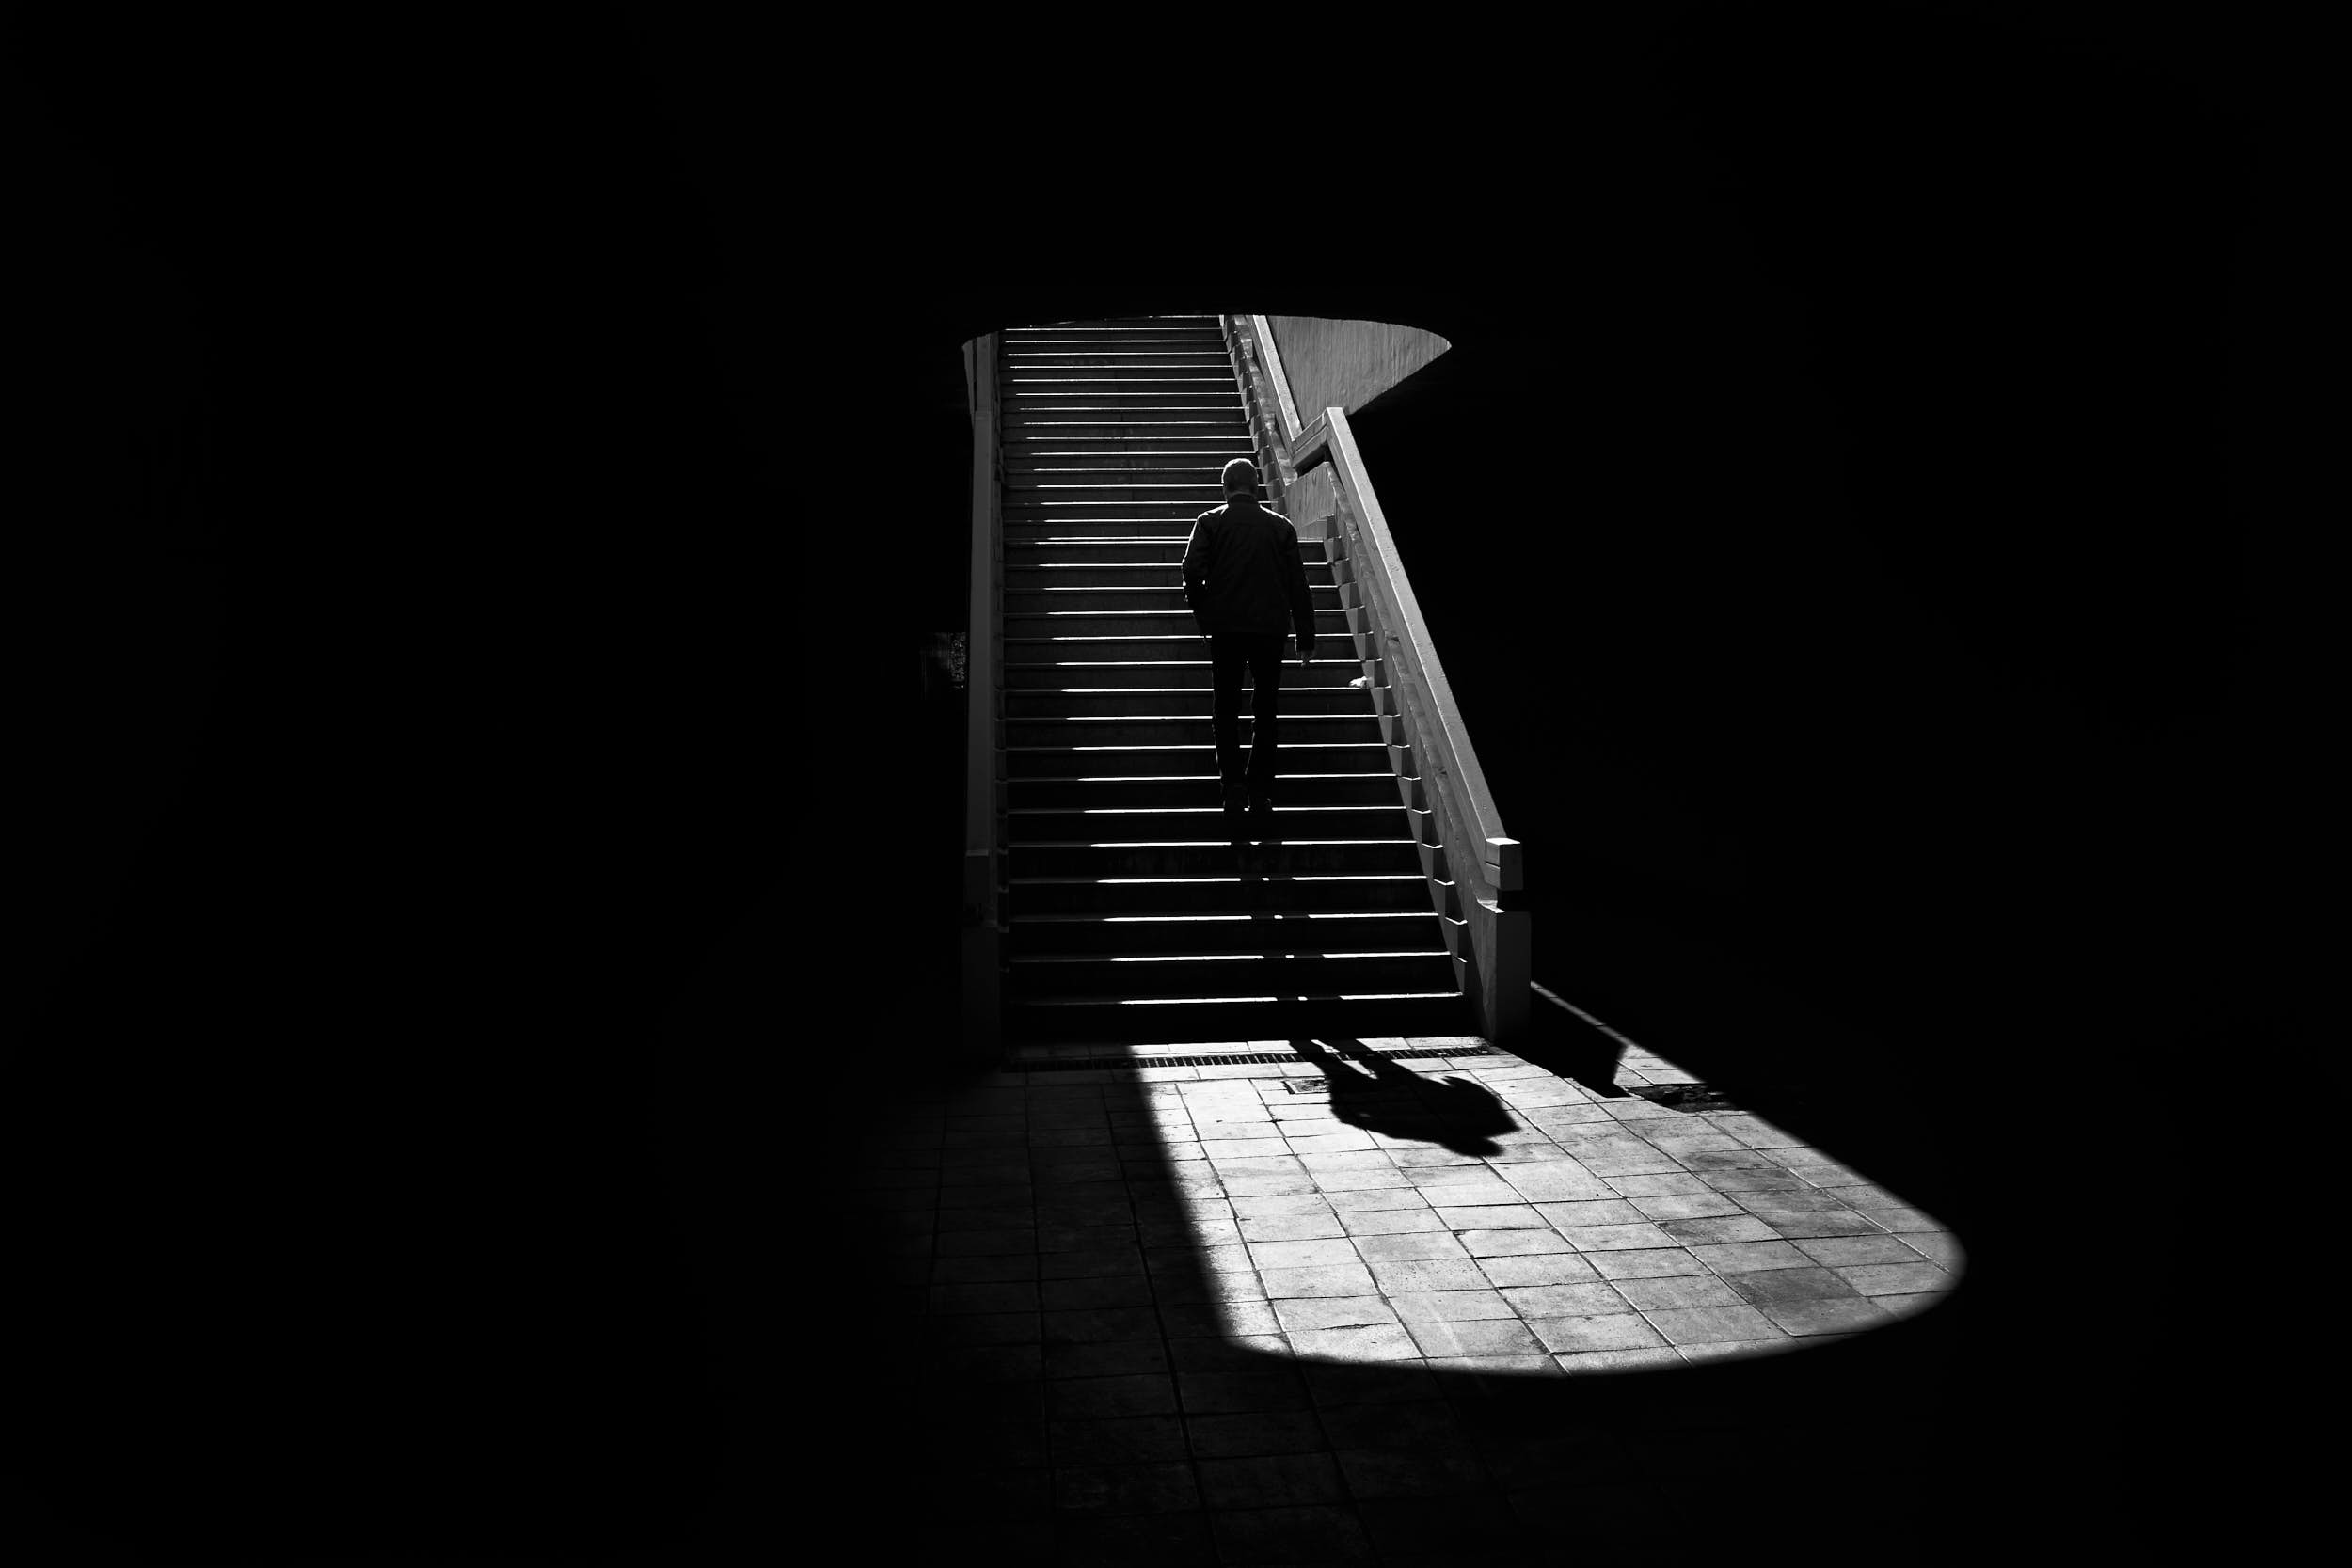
1240,479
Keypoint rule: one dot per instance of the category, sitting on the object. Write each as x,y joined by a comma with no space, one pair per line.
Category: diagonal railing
1472,865
983,938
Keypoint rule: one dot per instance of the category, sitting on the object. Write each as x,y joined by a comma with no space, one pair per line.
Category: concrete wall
1345,364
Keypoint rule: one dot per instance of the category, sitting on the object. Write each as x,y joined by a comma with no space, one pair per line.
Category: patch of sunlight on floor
1481,1213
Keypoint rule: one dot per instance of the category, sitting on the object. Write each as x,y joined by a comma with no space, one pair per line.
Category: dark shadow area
1371,1092
493,847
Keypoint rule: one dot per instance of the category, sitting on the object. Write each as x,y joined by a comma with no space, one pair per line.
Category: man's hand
1306,650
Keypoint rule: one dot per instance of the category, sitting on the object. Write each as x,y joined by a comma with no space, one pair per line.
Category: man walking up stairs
1246,588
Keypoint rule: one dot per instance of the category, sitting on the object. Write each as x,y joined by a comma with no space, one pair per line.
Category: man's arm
1198,550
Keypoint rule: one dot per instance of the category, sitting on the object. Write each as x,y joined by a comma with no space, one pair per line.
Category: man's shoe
1261,817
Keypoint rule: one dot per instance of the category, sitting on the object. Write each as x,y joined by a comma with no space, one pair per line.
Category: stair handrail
984,755
1482,855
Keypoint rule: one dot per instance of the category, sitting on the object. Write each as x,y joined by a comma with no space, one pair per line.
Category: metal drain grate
1242,1058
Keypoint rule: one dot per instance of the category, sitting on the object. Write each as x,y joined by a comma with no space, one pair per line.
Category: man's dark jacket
1243,573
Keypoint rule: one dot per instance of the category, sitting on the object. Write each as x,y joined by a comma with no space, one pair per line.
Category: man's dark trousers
1262,652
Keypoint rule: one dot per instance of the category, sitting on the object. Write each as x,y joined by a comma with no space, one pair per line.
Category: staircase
1130,917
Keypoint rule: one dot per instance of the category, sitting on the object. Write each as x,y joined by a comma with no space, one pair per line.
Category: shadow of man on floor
1378,1095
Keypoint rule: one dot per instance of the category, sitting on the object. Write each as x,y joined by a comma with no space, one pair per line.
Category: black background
482,490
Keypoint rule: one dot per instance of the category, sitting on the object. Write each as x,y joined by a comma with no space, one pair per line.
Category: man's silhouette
1247,587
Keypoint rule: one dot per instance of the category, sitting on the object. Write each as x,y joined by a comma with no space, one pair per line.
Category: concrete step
1033,552
1361,729
1266,931
1047,529
1191,702
1186,465
1037,574
1166,675
1161,975
1097,650
1113,410
1189,858
1301,790
1121,601
1125,500
1146,435
1022,490
1035,358
1147,623
1233,889
1042,1022
1203,823
1141,383
1104,759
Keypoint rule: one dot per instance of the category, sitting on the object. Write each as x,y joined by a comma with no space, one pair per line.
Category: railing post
983,909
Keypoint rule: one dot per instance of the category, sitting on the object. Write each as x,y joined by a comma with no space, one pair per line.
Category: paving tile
1270,1480
1293,1228
1220,1393
1941,1247
1101,1397
1393,1222
1083,1237
1766,1286
1592,1299
1383,1179
1371,1342
1366,1200
1319,1279
999,1296
1739,1257
1232,1353
1300,1313
1121,1440
1542,1268
1124,1488
1417,1422
1421,1244
1683,1206
1469,1337
1700,1325
1619,1238
1451,1305
1607,1331
1488,1216
1585,1212
1874,1247
1724,1227
1642,1360
1552,1180
1387,1473
982,1268
1498,1243
1428,1273
1290,1429
1804,1201
1835,1316
1278,1205
1098,1324
1671,1291
990,1364
1105,1358
1104,1290
1315,1533
989,1328
1299,1255
1827,1222
1684,1139
1888,1279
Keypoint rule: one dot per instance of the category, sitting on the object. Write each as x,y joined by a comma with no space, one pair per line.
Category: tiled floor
1327,1305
